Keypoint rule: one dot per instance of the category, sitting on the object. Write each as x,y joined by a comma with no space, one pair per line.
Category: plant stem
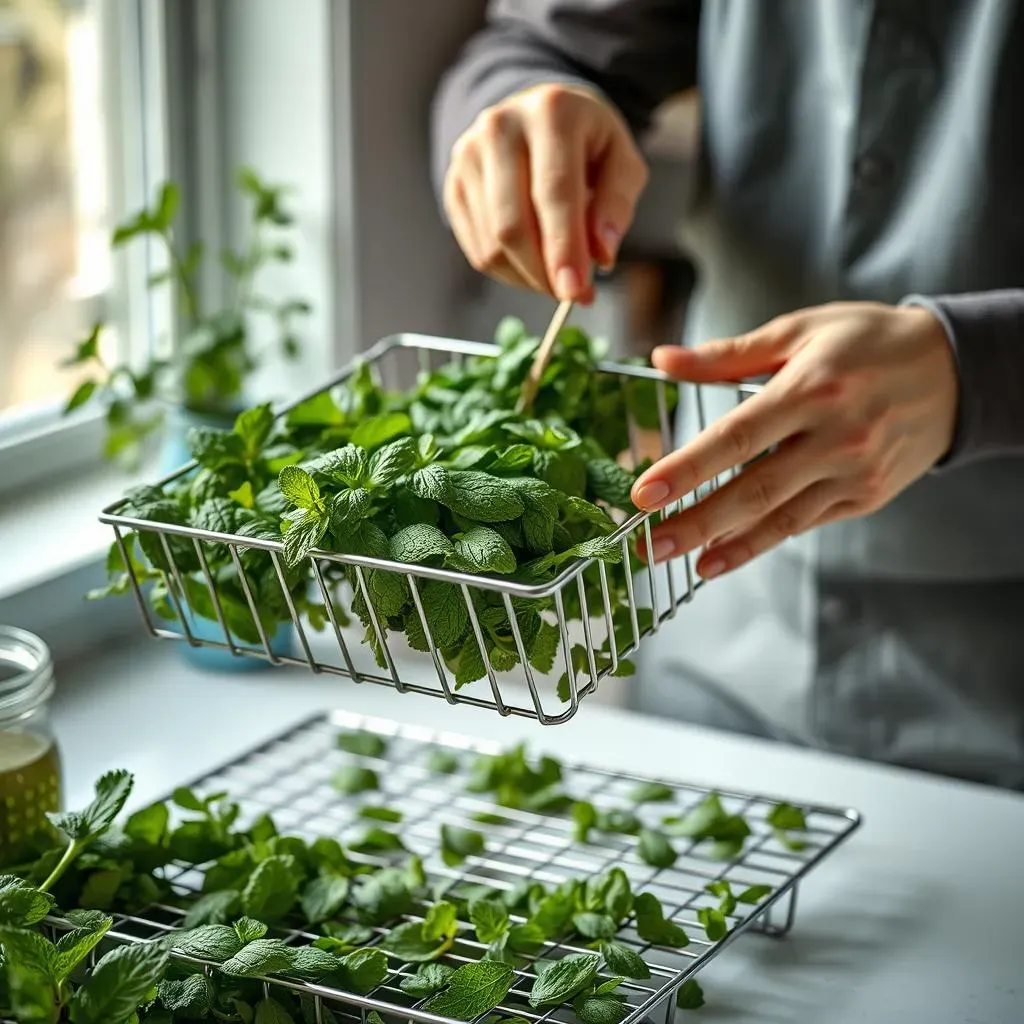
188,290
74,848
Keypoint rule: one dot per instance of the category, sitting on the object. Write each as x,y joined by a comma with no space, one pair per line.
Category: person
859,238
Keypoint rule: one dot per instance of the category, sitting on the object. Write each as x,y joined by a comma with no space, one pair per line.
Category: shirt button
871,171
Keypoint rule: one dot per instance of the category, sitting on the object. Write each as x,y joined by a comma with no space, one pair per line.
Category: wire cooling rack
290,777
601,611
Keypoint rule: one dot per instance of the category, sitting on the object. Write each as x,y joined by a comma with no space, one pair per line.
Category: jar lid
26,672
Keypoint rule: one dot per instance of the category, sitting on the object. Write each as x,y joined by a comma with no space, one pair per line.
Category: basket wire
289,778
522,691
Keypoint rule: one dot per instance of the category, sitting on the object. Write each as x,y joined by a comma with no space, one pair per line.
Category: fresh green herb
363,744
441,761
651,792
620,959
353,778
377,840
709,820
690,995
652,925
564,979
584,816
785,818
654,849
754,894
490,919
387,814
713,922
420,941
472,990
427,981
459,843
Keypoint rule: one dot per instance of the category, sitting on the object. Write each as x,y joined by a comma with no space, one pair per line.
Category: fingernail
567,283
652,495
662,548
711,568
611,236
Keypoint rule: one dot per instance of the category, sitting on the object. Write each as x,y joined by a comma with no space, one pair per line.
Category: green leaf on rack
21,904
272,890
354,778
651,792
217,942
363,970
383,896
482,550
420,941
112,790
191,997
652,925
490,919
362,744
755,893
119,984
392,461
620,959
713,922
378,430
472,990
441,761
654,849
270,1011
599,1009
376,840
259,958
690,995
74,946
459,843
249,930
428,980
564,979
380,814
785,818
594,926
300,488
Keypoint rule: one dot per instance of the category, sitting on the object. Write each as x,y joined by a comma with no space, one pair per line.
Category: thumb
621,175
762,352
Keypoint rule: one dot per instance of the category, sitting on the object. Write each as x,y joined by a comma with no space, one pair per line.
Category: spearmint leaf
755,894
303,536
363,970
264,956
271,890
381,814
786,816
714,923
564,979
324,897
652,926
594,926
490,919
441,921
378,430
459,843
690,995
253,426
611,893
362,744
433,483
21,904
347,466
585,510
620,959
610,483
217,942
354,778
392,461
654,849
384,895
214,908
148,825
347,508
313,964
270,1011
74,946
538,532
29,950
191,997
474,989
119,984
217,515
584,816
441,761
599,1009
249,930
483,550
299,488
408,943
429,979
419,543
651,792
487,499
112,790
447,615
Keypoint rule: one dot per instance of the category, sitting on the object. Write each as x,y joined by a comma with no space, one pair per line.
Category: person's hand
862,402
542,186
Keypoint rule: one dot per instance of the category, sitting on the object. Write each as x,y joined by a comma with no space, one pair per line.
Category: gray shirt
851,150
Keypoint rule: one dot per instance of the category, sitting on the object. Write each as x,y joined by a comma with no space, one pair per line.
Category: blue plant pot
174,454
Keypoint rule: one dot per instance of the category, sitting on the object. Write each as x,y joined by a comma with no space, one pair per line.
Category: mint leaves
471,990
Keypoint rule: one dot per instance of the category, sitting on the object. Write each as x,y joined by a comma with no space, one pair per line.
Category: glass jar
30,767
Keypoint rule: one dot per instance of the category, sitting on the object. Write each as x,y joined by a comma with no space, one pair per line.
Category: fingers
621,178
762,352
750,498
558,187
812,507
747,431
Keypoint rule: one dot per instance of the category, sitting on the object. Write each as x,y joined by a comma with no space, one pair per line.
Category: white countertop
917,919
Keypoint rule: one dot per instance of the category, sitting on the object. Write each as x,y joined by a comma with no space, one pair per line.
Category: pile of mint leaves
351,918
444,474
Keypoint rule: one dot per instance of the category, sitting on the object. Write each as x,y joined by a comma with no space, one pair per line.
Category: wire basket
597,613
289,777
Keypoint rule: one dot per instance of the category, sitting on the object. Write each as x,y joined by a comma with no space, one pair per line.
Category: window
76,104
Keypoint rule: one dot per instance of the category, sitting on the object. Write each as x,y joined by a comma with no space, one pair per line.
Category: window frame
41,444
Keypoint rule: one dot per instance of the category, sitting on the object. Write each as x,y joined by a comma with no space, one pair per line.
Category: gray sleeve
986,330
636,52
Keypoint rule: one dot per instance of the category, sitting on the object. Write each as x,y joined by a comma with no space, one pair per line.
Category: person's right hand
542,186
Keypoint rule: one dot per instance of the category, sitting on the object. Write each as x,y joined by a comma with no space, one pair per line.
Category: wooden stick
543,356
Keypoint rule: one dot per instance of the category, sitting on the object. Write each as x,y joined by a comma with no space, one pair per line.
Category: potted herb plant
203,382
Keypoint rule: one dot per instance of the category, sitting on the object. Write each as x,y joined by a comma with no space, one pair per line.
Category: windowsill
54,530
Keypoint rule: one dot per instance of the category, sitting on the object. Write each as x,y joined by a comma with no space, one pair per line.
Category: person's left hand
862,402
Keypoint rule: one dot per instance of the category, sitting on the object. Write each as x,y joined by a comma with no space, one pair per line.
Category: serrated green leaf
564,980
472,990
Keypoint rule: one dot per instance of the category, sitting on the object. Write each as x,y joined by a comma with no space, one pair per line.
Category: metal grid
650,598
289,777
